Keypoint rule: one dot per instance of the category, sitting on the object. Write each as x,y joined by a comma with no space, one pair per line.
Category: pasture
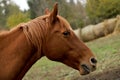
106,49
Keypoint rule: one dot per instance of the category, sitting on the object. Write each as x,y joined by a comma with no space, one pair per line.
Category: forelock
64,22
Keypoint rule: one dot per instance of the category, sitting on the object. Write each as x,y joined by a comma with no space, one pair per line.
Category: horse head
62,45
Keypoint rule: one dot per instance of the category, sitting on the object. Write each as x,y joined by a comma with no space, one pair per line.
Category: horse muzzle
85,69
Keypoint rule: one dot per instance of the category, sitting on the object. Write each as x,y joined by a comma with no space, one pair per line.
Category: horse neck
35,32
16,55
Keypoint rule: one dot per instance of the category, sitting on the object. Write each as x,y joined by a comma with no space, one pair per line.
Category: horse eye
66,33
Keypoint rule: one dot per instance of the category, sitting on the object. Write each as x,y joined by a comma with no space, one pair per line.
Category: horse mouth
86,69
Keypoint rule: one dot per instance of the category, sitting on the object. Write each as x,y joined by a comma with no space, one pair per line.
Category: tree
69,10
7,7
3,11
98,10
37,7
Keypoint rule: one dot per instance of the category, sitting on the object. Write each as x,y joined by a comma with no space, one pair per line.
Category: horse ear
53,14
47,11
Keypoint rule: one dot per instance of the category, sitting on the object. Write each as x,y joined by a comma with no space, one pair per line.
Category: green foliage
98,10
7,8
74,13
17,18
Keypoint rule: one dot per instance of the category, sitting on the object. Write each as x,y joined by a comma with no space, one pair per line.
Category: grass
107,51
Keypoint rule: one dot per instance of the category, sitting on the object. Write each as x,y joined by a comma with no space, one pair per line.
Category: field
107,51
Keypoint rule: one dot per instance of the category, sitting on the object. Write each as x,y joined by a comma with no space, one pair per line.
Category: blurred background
79,13
96,22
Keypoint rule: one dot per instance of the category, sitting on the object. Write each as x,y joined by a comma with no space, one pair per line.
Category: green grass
107,51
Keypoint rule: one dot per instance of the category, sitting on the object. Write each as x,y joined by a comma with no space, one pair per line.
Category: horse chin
84,69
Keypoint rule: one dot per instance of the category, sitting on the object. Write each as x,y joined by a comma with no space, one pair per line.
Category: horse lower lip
87,70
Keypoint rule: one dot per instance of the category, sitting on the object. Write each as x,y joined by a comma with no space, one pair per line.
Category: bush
15,19
98,10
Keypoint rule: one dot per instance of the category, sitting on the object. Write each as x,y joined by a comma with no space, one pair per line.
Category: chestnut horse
49,35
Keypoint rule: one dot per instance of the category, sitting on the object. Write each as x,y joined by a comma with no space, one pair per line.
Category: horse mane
5,33
34,31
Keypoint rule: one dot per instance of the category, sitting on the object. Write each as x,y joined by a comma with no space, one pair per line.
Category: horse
49,35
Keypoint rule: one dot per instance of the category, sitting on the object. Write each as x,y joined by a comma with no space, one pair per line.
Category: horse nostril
93,60
94,67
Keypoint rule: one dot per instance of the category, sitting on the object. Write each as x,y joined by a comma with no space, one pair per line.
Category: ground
107,51
111,74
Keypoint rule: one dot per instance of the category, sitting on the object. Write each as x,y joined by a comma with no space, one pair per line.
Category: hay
104,28
87,33
109,25
78,33
99,30
117,28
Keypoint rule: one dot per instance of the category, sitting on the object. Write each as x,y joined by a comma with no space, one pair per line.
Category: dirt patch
113,74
